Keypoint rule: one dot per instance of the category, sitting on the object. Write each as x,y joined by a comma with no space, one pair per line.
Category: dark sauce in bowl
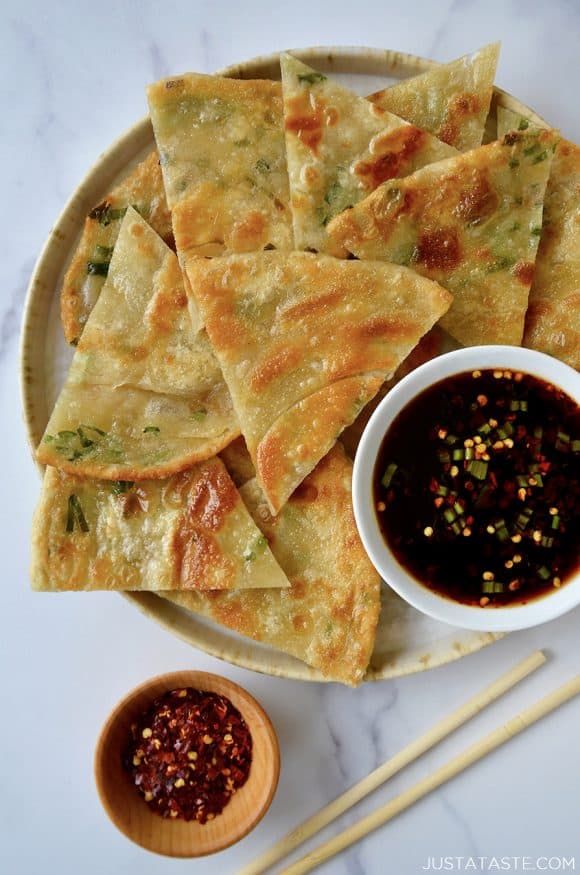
477,487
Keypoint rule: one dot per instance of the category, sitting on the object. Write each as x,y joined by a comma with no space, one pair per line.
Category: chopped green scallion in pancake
144,396
553,316
143,189
221,144
471,223
192,532
340,148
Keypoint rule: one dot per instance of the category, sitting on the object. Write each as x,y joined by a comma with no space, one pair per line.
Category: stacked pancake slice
240,302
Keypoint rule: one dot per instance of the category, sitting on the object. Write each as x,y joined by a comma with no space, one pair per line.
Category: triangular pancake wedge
553,317
471,223
304,341
340,147
85,276
144,396
221,146
328,616
451,100
190,532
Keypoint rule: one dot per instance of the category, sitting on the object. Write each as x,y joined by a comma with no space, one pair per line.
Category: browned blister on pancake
304,342
221,144
341,147
143,189
451,100
191,532
144,396
328,615
471,223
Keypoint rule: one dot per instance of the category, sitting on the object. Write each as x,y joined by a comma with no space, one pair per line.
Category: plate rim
364,60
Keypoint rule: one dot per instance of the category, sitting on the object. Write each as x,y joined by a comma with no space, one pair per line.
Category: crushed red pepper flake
188,754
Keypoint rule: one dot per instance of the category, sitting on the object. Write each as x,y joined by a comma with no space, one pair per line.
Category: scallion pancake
471,223
221,144
190,532
84,279
451,100
340,148
144,396
304,342
328,616
553,316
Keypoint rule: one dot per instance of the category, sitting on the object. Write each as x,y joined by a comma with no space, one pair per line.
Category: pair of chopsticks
410,753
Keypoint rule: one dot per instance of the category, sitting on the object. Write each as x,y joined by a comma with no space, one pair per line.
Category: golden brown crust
284,455
222,153
339,148
470,223
143,188
197,554
328,615
451,101
288,328
190,532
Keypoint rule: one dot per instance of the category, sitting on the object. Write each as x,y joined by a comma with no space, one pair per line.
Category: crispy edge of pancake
305,433
142,186
346,631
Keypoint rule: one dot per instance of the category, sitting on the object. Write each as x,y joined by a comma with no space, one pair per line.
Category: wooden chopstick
465,759
414,750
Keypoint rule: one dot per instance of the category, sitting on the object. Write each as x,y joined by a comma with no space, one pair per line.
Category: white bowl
500,619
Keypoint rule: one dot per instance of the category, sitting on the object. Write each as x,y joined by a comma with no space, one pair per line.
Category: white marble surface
72,79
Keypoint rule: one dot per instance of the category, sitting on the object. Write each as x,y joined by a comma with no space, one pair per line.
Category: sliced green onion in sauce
388,475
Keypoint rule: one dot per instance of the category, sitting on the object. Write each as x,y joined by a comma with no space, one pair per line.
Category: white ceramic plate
407,641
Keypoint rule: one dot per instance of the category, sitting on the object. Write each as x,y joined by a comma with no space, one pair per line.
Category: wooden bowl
178,838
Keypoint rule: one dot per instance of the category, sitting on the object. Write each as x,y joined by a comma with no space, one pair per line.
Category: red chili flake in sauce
188,754
477,487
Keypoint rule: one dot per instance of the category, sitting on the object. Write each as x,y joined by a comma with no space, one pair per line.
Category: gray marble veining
72,76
